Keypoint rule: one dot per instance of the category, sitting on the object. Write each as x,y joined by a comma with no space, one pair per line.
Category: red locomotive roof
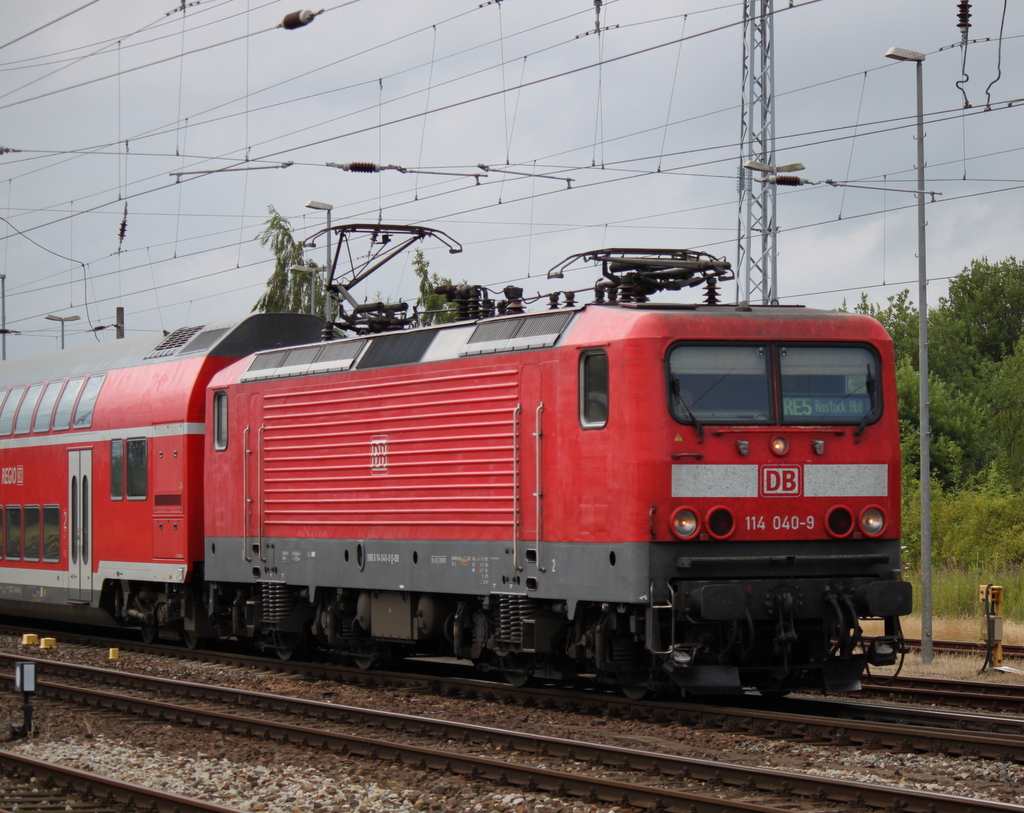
576,326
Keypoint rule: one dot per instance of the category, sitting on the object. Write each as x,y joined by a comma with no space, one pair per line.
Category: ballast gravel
257,775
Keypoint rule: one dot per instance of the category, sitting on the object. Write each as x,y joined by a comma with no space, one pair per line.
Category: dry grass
955,667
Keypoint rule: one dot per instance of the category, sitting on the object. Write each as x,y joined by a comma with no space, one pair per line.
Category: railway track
32,786
965,648
600,773
996,697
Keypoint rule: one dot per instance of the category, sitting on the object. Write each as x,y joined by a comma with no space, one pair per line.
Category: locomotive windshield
721,383
827,384
815,384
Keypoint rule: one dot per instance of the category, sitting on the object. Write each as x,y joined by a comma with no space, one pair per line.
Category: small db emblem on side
780,481
379,454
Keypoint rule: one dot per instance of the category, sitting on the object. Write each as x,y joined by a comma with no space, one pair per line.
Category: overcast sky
627,138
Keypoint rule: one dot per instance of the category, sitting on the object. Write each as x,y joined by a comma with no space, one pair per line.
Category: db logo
780,481
379,454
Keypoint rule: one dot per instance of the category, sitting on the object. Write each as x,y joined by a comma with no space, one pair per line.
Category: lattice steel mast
756,269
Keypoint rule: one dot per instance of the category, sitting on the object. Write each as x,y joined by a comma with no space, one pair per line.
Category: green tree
287,292
1007,405
899,318
978,323
434,308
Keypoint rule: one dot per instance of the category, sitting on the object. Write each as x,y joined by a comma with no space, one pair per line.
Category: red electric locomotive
654,495
696,496
101,453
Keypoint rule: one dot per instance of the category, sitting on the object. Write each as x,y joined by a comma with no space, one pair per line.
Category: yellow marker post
30,639
48,643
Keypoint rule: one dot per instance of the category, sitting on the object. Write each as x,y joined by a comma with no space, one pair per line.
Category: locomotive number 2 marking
379,454
781,523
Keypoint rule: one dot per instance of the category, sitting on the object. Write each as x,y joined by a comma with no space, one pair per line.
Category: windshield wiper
686,407
869,383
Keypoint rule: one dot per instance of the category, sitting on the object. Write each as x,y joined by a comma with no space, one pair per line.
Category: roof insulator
963,16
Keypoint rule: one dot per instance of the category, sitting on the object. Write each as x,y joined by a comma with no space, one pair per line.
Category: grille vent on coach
174,341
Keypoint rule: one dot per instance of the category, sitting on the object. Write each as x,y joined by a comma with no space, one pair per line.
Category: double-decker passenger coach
102,453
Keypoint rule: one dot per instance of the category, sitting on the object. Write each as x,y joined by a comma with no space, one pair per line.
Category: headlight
872,521
780,446
685,523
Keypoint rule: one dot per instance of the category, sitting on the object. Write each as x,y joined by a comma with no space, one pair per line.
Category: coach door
79,525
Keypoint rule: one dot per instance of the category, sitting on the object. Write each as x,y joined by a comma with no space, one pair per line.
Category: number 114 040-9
780,523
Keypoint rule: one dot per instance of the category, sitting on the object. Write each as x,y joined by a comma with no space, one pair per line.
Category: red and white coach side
101,453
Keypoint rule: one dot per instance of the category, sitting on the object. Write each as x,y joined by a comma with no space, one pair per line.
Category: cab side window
593,389
220,420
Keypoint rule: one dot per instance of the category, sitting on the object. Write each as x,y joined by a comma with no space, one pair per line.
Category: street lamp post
325,207
904,55
3,316
63,320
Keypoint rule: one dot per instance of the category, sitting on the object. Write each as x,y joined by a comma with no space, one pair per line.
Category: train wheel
635,692
191,638
365,662
516,669
150,632
285,645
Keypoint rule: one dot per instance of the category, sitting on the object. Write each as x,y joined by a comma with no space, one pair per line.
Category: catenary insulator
361,166
963,16
789,180
297,19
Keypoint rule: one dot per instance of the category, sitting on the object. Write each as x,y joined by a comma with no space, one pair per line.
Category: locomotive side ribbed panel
434,452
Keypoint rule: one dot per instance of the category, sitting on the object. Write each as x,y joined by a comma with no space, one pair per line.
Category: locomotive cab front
785,510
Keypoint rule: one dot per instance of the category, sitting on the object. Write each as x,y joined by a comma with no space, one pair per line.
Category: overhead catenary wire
529,197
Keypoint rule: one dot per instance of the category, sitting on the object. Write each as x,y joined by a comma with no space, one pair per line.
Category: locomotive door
252,480
530,519
79,526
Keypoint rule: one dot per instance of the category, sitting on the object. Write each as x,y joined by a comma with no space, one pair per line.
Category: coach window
10,406
12,520
593,389
220,420
51,533
66,404
32,533
719,384
46,405
28,405
116,469
87,403
138,472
